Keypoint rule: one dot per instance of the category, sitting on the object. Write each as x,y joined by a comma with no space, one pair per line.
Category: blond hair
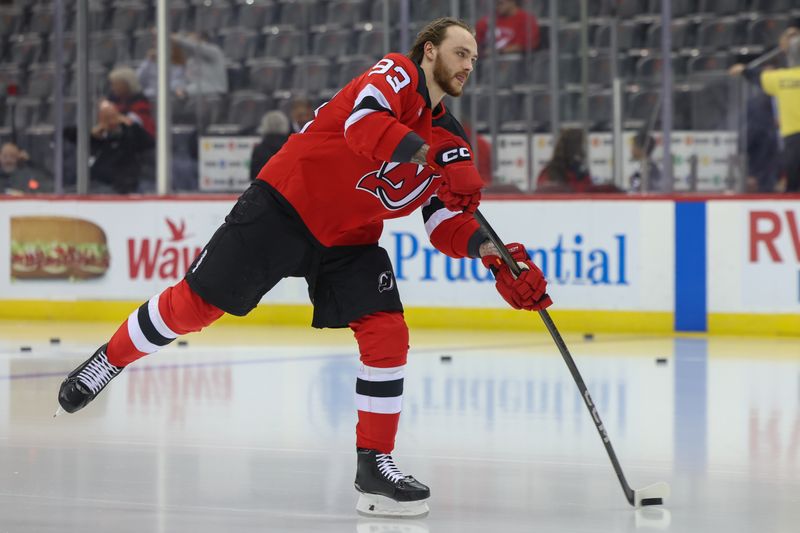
128,76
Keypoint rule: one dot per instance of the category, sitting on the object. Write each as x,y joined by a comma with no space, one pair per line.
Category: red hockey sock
159,321
383,342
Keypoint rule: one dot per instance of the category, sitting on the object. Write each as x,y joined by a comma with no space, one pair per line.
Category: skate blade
381,506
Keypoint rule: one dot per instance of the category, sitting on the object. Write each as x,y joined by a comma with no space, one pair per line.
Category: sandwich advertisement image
57,247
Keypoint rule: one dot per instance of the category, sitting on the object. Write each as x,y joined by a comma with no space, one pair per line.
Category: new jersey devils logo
397,185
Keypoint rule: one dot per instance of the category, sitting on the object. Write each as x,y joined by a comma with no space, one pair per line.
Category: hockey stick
650,495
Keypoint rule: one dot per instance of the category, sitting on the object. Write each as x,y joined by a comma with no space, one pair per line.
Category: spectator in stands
516,30
784,85
763,143
126,95
18,175
117,144
648,173
274,131
300,112
148,73
206,71
566,171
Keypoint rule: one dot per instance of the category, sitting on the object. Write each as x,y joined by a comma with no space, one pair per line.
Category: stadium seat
10,75
284,42
765,31
679,30
108,48
712,106
98,81
25,48
255,14
201,110
722,7
211,16
537,73
717,34
641,107
430,9
708,64
43,18
345,13
179,16
129,16
41,80
369,41
298,13
601,109
311,74
332,43
266,74
351,67
774,6
628,37
507,68
239,44
569,39
11,18
246,109
143,41
680,8
70,111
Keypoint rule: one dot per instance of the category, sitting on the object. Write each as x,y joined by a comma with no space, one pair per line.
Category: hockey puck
183,343
25,349
588,336
661,361
446,358
55,340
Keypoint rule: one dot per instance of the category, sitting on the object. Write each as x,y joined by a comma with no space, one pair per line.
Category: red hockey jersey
347,171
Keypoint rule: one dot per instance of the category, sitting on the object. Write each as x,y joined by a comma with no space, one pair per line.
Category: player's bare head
446,48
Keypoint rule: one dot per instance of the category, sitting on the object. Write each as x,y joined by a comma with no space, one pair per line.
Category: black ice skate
86,381
385,491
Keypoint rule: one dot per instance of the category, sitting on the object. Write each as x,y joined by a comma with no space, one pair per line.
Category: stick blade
654,494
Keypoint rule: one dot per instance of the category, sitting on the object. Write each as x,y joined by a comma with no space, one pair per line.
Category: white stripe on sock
383,406
137,336
373,373
158,322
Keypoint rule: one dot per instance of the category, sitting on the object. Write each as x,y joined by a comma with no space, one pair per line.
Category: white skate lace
98,373
387,467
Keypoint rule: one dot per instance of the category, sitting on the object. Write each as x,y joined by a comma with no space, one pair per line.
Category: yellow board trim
418,317
754,324
433,317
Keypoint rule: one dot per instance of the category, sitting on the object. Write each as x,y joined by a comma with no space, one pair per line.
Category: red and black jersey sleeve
383,95
453,233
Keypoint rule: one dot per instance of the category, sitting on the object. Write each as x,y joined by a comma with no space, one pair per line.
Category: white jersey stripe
437,218
140,342
355,117
383,406
158,322
371,90
372,373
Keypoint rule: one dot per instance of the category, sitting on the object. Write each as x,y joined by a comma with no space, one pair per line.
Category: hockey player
383,147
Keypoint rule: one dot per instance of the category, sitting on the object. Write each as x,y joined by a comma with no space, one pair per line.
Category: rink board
616,263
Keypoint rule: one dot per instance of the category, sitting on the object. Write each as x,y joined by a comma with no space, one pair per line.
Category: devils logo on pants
397,185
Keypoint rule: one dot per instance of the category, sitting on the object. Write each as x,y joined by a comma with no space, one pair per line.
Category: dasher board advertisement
594,253
754,256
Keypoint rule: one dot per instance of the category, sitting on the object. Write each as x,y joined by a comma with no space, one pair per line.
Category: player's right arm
374,129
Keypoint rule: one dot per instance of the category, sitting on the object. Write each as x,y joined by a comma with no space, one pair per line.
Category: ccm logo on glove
456,154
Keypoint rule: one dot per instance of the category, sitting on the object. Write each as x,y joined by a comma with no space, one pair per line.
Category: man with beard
383,147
